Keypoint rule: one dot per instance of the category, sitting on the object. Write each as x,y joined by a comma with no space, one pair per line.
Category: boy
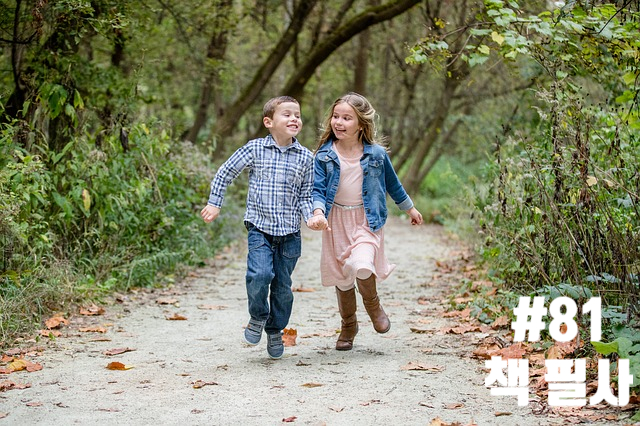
280,184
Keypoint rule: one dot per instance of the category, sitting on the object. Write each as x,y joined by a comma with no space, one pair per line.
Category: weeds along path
186,365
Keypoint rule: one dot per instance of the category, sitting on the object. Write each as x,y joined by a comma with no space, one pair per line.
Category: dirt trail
313,384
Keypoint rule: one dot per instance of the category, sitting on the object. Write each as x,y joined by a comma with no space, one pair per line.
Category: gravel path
197,371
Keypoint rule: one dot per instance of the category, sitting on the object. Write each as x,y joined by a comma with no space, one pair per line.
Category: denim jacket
379,179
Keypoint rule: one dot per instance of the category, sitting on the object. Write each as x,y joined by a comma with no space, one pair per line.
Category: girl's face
344,122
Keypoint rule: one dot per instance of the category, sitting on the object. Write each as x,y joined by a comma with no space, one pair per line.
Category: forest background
514,124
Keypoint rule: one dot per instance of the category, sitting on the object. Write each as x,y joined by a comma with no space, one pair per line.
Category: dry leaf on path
20,364
166,301
417,366
3,415
302,289
56,322
94,329
212,307
8,385
176,317
118,366
50,333
312,385
421,330
500,322
92,310
454,406
289,336
515,351
117,351
289,419
201,383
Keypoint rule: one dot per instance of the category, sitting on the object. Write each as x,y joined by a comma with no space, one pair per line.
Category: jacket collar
325,152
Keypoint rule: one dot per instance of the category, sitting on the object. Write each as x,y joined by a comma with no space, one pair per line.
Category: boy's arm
227,172
306,205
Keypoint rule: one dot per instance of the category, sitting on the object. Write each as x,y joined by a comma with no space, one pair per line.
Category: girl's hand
318,223
416,217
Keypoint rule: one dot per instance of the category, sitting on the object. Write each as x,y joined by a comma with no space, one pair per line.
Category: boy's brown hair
271,105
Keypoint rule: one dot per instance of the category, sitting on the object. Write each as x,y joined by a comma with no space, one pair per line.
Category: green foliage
101,218
625,345
562,207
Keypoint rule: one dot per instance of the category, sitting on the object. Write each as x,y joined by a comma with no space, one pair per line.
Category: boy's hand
318,223
416,217
210,213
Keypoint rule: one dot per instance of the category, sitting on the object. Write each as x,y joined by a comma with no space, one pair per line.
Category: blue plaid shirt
280,184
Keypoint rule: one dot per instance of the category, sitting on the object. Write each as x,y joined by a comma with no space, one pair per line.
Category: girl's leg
367,288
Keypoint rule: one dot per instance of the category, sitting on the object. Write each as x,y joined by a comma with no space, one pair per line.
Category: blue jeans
270,263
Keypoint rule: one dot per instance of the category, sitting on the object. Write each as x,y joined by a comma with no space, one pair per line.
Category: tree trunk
368,18
362,63
227,119
216,51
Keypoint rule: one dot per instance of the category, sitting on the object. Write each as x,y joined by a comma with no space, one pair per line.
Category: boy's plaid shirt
280,184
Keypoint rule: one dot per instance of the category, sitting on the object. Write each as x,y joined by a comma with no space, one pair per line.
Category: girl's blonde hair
366,119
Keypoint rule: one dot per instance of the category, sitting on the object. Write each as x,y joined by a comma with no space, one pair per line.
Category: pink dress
351,246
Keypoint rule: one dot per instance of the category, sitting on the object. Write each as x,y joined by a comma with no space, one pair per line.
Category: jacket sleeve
394,186
319,194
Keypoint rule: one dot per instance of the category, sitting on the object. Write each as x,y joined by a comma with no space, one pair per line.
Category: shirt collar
270,141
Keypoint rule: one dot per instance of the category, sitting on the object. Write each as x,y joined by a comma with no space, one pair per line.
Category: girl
353,175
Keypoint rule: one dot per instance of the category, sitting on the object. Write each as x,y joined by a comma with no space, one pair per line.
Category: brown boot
379,318
347,306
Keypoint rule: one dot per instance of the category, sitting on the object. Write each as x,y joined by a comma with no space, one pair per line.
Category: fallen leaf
289,419
311,385
34,404
201,383
176,317
3,415
118,366
336,409
454,405
212,307
426,404
20,364
56,322
499,322
93,329
502,413
515,351
92,310
416,366
8,385
461,329
289,336
461,314
166,301
302,289
117,351
421,330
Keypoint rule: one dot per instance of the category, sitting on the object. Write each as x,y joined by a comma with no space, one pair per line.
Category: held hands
210,213
416,217
318,223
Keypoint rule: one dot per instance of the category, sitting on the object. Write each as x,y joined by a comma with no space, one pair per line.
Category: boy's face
286,122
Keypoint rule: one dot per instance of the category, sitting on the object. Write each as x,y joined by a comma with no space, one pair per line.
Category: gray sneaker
253,332
275,347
